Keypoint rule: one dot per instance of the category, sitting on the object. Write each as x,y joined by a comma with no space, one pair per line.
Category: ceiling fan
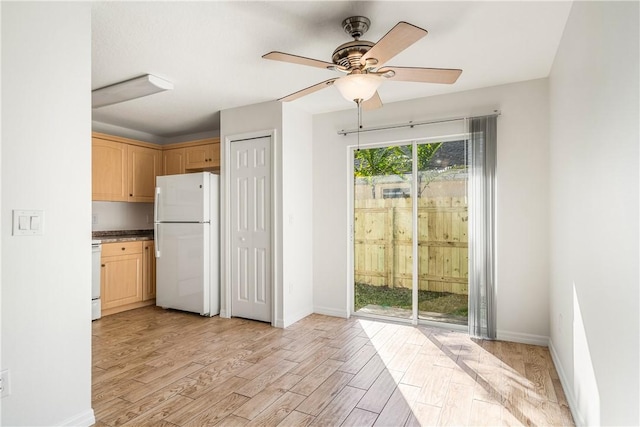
362,62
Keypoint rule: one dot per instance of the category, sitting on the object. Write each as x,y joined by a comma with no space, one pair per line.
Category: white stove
96,304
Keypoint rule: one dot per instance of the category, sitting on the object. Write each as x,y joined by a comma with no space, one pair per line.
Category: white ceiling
212,51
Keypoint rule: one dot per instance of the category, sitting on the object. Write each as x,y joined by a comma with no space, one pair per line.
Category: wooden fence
383,243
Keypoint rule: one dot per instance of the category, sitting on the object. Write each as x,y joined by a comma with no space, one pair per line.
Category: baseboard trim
330,312
568,391
83,419
523,338
224,314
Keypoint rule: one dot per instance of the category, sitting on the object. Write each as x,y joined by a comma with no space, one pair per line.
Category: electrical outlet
5,385
560,320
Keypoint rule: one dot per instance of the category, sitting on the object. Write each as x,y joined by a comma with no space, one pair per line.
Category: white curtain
482,292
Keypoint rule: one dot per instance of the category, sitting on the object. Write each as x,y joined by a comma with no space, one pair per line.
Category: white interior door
250,177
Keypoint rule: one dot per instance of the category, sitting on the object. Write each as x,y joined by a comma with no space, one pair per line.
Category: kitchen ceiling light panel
128,90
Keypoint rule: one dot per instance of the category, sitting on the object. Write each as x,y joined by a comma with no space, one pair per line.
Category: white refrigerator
186,225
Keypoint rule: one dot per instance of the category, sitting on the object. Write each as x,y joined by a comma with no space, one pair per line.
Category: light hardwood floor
167,368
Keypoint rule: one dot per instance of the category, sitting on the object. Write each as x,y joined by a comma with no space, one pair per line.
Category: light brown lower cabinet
125,269
148,271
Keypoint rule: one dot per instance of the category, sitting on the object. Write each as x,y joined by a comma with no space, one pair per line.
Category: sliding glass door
443,231
410,231
383,231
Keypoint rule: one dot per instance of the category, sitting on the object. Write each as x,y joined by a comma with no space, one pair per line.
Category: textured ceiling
212,51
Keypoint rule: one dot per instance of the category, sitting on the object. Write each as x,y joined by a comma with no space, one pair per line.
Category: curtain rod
412,124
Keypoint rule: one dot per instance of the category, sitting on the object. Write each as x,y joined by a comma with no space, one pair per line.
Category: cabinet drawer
121,248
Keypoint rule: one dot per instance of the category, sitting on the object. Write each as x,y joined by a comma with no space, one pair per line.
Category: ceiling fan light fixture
128,90
355,87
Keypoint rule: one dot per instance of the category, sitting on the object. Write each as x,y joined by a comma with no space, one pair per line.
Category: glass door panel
383,231
442,176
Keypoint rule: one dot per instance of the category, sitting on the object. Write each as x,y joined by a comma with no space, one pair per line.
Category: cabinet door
144,165
121,280
198,157
148,271
215,156
173,161
108,170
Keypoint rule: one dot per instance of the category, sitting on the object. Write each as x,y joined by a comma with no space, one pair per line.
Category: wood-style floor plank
216,413
324,394
155,367
266,397
360,418
278,411
340,407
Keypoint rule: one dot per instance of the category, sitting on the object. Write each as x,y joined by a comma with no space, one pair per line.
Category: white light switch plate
28,223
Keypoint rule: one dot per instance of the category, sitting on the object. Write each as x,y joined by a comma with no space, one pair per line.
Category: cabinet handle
102,265
130,195
147,248
122,249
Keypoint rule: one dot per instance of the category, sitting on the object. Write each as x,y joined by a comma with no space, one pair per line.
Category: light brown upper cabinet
200,157
109,170
173,161
144,165
192,156
124,170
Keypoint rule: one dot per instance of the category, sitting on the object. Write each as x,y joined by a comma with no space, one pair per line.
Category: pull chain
359,104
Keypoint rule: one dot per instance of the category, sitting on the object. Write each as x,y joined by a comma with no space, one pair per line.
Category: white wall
121,216
46,161
594,212
297,267
291,194
522,197
126,133
265,117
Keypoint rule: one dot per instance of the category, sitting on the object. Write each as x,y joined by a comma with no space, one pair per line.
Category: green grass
435,302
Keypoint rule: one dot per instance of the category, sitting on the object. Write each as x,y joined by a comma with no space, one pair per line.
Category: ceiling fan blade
395,41
308,90
372,103
423,75
301,60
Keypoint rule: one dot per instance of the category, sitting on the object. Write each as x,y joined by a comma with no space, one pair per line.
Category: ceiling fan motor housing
356,26
349,54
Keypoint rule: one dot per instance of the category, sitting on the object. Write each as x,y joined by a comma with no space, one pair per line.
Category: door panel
250,229
443,232
383,231
183,198
183,276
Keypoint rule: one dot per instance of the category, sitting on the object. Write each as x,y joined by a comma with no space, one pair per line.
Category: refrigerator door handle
156,239
156,202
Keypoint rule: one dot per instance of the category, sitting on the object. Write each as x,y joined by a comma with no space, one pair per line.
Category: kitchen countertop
122,235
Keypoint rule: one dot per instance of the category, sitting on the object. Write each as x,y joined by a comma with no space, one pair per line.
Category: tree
425,155
373,163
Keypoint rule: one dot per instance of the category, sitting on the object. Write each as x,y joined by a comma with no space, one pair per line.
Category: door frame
350,232
351,149
225,220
